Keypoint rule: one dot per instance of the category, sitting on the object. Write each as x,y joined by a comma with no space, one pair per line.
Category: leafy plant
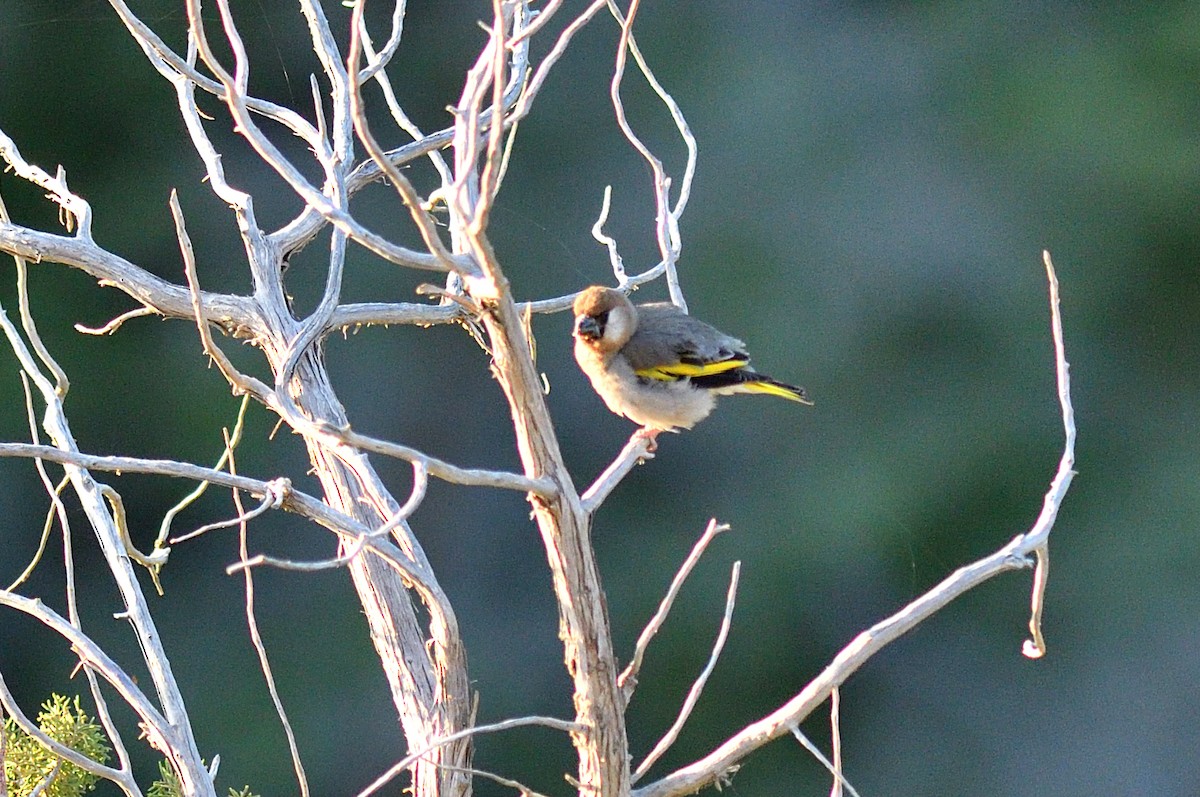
27,764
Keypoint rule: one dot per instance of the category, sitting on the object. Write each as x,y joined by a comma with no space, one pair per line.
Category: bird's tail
772,387
743,380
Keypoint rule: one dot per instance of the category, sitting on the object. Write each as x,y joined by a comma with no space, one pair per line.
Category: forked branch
1013,556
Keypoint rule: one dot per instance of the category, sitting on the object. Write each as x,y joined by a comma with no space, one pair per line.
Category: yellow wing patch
671,373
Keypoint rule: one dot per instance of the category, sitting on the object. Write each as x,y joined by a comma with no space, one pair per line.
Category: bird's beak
588,328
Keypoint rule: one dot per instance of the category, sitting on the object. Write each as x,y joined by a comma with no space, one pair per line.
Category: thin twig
412,758
116,323
40,789
408,195
697,689
524,790
835,732
164,528
628,678
240,382
1035,647
256,638
635,452
667,218
610,243
834,770
56,505
272,500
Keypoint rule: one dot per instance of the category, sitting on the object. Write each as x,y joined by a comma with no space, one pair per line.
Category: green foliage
168,785
27,764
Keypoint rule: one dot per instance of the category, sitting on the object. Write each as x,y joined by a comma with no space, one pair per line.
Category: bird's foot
650,436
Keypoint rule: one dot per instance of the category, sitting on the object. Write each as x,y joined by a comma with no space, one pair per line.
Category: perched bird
658,366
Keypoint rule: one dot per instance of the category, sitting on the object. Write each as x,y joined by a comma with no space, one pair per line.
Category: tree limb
1013,556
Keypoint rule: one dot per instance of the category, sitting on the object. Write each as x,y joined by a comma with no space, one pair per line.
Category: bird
660,367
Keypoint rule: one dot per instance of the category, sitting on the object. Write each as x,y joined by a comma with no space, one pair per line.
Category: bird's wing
670,345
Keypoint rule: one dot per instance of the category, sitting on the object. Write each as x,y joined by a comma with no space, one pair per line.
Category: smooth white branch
1013,556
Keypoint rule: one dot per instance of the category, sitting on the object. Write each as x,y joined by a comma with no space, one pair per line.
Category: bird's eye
601,318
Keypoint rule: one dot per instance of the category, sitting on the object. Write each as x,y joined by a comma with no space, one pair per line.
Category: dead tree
413,625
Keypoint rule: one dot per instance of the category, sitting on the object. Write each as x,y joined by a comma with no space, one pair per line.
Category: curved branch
236,315
1013,556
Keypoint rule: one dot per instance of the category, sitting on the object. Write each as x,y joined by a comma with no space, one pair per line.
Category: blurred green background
876,184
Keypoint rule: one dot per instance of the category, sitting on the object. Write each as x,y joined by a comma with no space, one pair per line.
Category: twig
834,769
694,693
627,681
116,323
44,784
492,776
667,217
255,637
1035,647
610,243
76,208
636,451
409,760
240,382
408,195
61,383
272,500
56,505
525,103
164,528
55,491
444,470
835,733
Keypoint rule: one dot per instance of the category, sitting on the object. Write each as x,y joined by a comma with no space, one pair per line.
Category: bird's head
605,319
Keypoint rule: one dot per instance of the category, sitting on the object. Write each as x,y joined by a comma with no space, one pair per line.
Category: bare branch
524,790
835,733
408,195
610,243
1013,556
444,470
534,85
834,768
116,323
295,501
234,314
161,734
1036,646
628,679
635,452
697,689
242,384
518,722
272,500
256,638
170,64
667,217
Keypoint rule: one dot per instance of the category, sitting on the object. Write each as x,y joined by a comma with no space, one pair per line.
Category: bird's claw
650,436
